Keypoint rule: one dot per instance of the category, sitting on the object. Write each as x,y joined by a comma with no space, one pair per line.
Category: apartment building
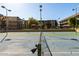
65,22
12,22
49,23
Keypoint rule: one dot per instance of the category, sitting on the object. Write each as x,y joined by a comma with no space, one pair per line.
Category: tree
72,22
56,24
77,22
32,21
48,25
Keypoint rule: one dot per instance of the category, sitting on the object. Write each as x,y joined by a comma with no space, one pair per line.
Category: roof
69,17
10,16
47,20
1,15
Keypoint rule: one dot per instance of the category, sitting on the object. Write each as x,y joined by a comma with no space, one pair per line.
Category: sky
50,11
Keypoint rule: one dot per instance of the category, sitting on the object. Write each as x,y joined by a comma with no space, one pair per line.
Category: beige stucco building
12,22
65,22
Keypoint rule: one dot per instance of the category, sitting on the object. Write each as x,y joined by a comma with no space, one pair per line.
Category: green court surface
21,43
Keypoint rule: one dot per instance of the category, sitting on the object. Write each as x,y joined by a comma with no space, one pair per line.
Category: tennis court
21,43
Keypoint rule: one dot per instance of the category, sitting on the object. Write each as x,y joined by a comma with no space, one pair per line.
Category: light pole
6,15
39,44
58,23
41,12
75,9
41,20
